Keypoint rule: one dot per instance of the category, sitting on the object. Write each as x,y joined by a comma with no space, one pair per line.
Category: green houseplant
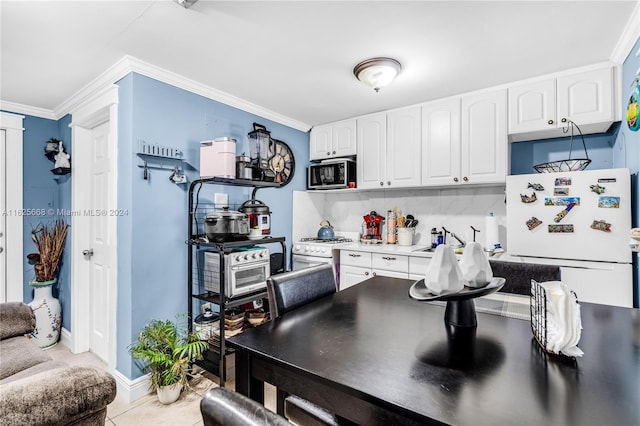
165,350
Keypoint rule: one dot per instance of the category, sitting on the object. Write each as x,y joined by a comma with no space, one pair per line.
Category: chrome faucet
462,243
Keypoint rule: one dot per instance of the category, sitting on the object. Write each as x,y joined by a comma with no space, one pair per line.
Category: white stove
314,251
318,247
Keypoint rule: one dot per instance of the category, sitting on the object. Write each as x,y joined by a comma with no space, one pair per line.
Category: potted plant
166,350
49,240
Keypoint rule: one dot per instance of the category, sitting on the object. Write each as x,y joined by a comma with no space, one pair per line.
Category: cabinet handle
455,179
564,120
374,274
334,152
389,182
328,153
466,179
550,122
388,258
354,255
381,183
366,273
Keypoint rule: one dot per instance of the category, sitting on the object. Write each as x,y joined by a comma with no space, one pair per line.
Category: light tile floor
147,410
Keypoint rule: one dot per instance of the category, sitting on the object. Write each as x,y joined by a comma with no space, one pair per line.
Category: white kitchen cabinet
541,109
464,140
483,152
441,142
352,275
333,140
388,149
390,262
418,267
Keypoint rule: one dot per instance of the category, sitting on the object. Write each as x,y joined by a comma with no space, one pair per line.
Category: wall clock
282,162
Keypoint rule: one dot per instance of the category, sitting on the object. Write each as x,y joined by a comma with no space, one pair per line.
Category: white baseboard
66,338
131,390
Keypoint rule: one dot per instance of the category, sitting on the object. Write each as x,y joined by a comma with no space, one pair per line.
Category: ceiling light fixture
186,3
377,72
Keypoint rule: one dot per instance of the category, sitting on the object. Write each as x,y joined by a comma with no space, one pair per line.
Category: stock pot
226,225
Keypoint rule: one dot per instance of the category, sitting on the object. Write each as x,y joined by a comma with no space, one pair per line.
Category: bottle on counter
434,238
492,239
440,239
391,226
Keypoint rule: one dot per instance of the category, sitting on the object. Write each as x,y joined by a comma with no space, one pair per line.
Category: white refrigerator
579,221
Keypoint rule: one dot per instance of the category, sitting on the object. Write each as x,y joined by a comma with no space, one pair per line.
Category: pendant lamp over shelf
377,72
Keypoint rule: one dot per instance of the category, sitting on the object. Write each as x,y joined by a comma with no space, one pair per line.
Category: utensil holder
538,305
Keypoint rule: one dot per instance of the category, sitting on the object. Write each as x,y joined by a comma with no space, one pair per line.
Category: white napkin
564,323
475,266
443,274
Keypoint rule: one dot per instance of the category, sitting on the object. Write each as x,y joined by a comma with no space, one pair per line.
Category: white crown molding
27,110
628,38
130,64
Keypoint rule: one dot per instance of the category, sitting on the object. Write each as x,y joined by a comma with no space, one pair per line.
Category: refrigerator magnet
563,181
563,213
535,186
608,202
561,191
560,229
527,199
601,225
533,222
598,189
561,201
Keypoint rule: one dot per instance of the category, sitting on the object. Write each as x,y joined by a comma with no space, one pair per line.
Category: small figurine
598,189
535,186
528,198
62,158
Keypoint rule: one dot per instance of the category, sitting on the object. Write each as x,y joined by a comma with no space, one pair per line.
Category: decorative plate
420,292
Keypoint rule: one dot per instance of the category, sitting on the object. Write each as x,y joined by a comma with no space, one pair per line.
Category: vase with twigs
49,240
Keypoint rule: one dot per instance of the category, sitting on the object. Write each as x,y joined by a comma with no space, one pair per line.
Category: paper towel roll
491,232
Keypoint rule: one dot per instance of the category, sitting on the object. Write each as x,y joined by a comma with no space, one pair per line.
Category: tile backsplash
457,209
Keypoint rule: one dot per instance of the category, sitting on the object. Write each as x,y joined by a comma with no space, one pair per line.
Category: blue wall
152,255
524,155
45,192
626,152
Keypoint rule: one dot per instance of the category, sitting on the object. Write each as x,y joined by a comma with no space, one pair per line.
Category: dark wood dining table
374,356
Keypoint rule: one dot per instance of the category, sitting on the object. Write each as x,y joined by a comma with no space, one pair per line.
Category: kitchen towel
475,267
443,274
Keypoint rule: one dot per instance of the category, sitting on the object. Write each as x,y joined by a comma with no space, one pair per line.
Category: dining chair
224,407
519,275
291,290
286,292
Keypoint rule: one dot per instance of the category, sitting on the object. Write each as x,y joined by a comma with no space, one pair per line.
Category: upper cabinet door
532,106
484,138
586,97
320,142
343,135
371,149
403,147
441,143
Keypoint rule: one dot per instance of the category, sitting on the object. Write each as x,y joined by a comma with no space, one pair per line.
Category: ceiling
295,58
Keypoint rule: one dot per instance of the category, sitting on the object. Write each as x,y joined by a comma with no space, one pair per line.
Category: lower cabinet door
352,275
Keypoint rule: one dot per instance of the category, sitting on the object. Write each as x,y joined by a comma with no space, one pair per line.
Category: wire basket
538,305
568,165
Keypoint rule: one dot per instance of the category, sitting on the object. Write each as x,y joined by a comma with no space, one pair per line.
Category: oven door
302,261
247,278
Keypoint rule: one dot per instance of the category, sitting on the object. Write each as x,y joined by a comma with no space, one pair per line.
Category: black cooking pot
226,225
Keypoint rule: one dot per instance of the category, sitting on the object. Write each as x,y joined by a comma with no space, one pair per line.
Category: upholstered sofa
36,390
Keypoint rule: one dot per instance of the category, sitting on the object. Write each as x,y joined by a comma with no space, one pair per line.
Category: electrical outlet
221,200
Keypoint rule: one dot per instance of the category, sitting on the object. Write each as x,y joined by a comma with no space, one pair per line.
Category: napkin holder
539,304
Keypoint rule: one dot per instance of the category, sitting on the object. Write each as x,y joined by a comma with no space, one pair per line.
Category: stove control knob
261,254
238,258
254,256
323,250
306,249
297,248
246,257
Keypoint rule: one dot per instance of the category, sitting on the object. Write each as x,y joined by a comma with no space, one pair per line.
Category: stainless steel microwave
332,174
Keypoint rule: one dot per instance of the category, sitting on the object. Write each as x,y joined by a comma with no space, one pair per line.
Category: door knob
87,252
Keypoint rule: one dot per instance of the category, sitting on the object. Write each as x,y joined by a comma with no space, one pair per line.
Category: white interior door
99,250
3,215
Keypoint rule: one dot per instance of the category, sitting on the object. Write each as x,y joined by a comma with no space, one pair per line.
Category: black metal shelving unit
215,361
